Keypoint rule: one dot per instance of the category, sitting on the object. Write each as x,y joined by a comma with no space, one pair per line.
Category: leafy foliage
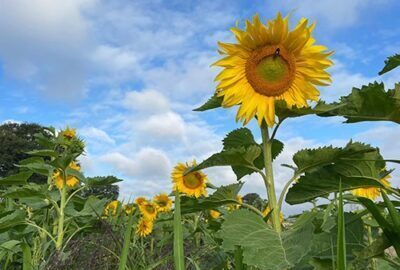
390,63
212,103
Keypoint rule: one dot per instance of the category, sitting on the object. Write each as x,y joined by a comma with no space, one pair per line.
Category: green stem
285,189
179,256
269,179
370,240
252,208
61,216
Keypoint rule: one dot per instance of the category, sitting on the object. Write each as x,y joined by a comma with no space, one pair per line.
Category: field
52,216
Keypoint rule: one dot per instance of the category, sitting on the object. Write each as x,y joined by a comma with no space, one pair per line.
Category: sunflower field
272,73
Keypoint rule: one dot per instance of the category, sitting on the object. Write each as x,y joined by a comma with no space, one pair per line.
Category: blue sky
127,75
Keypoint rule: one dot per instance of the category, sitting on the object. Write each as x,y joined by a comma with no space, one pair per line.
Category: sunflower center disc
150,209
192,180
270,70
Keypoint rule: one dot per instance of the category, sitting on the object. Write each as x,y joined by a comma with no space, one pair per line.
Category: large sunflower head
192,184
144,227
163,202
371,192
269,63
71,181
148,210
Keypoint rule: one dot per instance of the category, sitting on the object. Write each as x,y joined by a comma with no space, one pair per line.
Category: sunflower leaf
321,108
263,247
370,103
390,63
212,103
238,138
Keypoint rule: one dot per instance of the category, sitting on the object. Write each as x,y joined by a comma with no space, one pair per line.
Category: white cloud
96,134
146,101
45,42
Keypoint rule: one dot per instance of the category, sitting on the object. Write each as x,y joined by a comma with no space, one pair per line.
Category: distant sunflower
215,214
267,210
192,184
148,210
111,208
270,63
71,181
140,200
232,207
163,202
144,227
128,208
69,133
371,192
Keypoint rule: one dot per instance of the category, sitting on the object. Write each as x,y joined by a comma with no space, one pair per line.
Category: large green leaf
357,165
263,247
391,63
212,103
222,196
370,103
17,179
321,108
10,219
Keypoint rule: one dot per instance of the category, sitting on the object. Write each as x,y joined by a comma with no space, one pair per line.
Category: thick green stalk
179,256
127,241
61,217
370,241
269,179
341,235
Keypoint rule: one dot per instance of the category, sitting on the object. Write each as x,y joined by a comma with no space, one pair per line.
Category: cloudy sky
127,74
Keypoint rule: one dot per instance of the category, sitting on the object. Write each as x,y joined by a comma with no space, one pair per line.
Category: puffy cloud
96,134
146,101
45,42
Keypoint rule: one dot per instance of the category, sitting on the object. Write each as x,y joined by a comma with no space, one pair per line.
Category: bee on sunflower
191,184
270,63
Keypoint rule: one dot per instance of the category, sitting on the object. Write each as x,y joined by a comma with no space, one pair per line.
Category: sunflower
232,207
144,227
71,181
69,133
148,210
371,192
140,200
163,202
192,184
266,212
128,208
270,63
215,214
111,208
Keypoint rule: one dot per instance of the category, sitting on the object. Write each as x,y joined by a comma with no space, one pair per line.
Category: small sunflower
144,227
371,192
111,208
192,184
266,212
140,200
69,133
232,207
128,208
148,210
163,202
215,214
71,181
269,63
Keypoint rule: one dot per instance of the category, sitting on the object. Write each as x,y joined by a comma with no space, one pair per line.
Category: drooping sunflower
192,184
144,227
140,200
266,212
163,202
215,214
148,210
372,192
71,181
111,208
269,63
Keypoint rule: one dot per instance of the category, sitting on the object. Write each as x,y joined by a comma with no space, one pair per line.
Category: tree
15,140
102,187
